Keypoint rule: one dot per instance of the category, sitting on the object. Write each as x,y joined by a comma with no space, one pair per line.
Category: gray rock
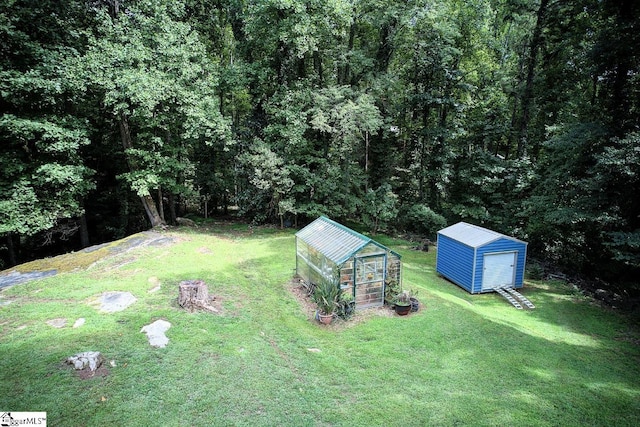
185,222
112,302
57,323
15,277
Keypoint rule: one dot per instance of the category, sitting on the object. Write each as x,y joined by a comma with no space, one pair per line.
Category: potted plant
346,305
325,295
391,291
402,303
415,304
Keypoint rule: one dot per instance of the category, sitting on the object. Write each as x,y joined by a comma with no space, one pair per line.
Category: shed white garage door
499,270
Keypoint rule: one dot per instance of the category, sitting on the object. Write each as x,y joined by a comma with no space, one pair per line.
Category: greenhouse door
369,281
499,270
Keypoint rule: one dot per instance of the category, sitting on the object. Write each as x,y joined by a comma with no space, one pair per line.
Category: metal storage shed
326,248
480,260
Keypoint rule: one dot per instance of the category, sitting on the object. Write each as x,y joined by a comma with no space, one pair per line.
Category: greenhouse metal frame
327,249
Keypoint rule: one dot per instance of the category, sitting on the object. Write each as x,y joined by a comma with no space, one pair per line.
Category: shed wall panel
455,261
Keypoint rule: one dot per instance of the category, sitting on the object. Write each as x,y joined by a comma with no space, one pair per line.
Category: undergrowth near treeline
263,360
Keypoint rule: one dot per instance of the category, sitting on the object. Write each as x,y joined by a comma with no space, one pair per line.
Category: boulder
186,222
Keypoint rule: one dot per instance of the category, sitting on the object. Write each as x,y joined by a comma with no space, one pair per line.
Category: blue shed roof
473,235
335,241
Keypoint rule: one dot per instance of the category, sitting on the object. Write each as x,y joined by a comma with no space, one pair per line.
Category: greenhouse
326,249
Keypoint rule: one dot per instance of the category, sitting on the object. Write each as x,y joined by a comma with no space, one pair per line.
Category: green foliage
345,306
534,271
625,247
42,179
379,208
326,295
518,115
392,289
402,299
270,183
152,74
423,220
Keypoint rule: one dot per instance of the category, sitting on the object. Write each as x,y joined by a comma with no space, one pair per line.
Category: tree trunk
385,46
13,260
172,209
317,64
84,232
527,96
161,205
151,210
146,199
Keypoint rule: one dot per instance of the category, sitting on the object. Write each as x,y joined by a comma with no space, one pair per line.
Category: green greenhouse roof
335,241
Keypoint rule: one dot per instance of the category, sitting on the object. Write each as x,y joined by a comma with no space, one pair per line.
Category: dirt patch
86,374
300,293
309,309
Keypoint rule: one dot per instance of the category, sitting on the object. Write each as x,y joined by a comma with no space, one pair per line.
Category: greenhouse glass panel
327,249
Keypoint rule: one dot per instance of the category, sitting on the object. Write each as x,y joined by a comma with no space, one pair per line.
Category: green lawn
461,360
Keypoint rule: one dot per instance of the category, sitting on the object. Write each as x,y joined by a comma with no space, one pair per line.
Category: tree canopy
519,115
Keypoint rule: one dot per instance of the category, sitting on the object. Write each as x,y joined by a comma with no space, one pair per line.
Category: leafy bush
346,306
391,291
379,208
422,219
534,272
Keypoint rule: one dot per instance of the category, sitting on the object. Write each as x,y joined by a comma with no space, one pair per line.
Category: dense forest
403,115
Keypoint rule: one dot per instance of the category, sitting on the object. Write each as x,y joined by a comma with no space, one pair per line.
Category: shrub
534,272
422,219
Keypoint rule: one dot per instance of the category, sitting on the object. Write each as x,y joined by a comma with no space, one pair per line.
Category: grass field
461,360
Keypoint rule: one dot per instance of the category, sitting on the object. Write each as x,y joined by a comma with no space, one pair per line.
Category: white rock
155,333
93,359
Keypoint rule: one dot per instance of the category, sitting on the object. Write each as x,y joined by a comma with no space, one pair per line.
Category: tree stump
194,295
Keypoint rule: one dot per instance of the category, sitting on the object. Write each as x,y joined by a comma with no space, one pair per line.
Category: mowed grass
461,360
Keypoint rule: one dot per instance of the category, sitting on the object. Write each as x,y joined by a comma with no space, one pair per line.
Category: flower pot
402,309
325,319
415,304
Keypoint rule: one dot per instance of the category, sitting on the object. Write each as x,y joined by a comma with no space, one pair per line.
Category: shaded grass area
462,360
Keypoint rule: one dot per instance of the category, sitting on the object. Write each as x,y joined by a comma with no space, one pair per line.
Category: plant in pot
325,295
402,303
391,291
415,304
346,305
